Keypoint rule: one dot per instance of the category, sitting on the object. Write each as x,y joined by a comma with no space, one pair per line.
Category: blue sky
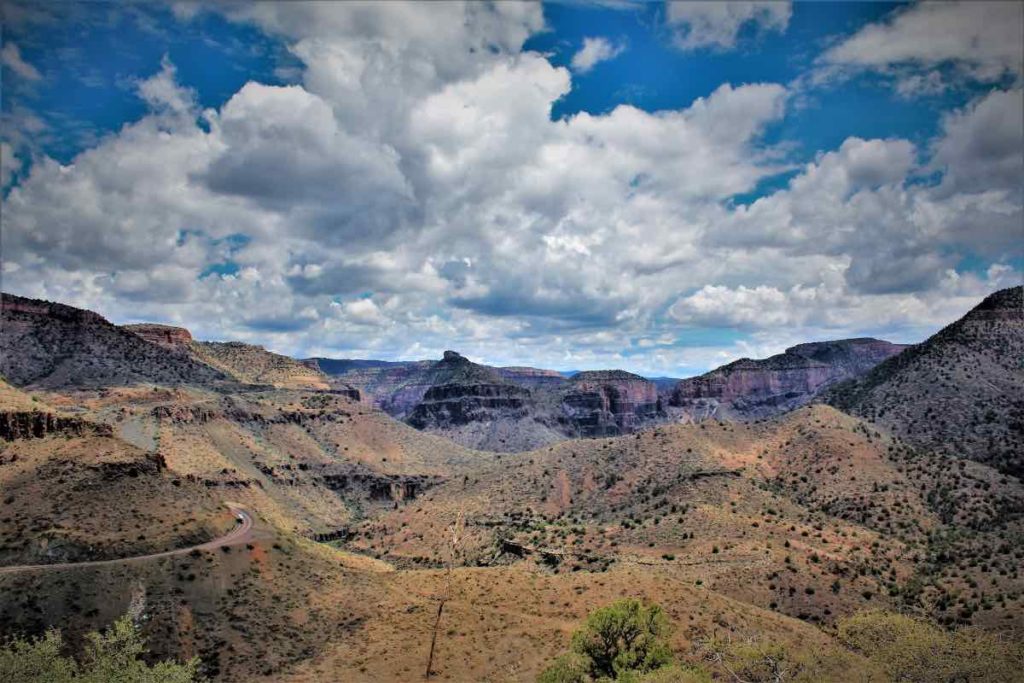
93,53
385,181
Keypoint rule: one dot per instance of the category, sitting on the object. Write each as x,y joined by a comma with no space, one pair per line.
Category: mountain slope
961,392
747,389
255,365
51,345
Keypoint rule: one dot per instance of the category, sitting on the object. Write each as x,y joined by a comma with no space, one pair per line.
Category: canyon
834,478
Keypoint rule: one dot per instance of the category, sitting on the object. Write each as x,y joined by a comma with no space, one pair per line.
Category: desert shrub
914,650
767,661
673,673
624,641
108,656
567,668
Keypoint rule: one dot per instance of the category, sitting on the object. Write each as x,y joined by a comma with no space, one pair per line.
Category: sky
657,187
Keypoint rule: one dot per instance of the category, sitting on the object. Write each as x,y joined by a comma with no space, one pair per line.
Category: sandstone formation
533,377
501,409
507,409
608,403
460,392
168,336
749,388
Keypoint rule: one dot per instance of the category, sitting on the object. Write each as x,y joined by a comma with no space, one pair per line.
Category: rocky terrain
750,389
71,491
51,345
814,514
255,365
503,409
168,336
776,525
608,403
960,392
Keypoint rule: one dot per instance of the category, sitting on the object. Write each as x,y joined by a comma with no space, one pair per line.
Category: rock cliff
459,392
16,425
749,388
177,338
608,403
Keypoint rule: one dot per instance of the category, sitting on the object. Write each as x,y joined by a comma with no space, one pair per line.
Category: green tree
111,656
620,642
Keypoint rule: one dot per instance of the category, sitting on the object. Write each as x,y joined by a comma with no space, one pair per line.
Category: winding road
242,533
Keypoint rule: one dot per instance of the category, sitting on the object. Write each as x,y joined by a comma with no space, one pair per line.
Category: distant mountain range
561,405
746,388
515,408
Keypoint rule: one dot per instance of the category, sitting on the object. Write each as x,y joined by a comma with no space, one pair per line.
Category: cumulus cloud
594,51
163,93
10,164
980,147
282,147
10,56
717,24
828,306
411,193
982,40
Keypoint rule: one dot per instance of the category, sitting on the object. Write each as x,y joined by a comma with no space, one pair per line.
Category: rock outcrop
608,403
16,425
454,405
168,336
749,388
533,377
461,392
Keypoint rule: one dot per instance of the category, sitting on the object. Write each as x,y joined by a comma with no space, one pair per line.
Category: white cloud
594,51
10,164
10,56
364,312
163,94
282,148
415,175
828,307
717,24
980,148
981,38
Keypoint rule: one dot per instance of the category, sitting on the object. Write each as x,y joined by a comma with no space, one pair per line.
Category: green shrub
109,657
624,641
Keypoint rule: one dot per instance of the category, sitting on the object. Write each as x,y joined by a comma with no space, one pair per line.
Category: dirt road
242,533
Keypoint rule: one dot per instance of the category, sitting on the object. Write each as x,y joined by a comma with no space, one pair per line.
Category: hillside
960,392
51,345
73,491
772,514
747,389
764,526
253,364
